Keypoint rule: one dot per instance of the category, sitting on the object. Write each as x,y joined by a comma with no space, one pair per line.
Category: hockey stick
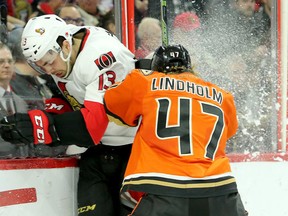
164,25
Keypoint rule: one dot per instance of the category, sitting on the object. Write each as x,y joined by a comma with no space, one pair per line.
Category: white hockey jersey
102,61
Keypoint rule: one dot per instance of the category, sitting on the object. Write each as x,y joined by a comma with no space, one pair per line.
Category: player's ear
66,50
66,46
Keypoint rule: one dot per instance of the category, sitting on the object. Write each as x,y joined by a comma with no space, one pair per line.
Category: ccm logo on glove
52,106
40,123
39,129
57,106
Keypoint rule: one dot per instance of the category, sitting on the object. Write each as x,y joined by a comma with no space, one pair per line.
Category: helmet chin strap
67,60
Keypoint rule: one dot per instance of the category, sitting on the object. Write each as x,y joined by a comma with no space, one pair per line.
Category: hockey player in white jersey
84,62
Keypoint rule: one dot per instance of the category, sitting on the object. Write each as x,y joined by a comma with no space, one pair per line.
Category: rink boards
47,186
38,186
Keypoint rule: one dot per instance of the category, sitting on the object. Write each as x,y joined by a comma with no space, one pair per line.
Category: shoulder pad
143,64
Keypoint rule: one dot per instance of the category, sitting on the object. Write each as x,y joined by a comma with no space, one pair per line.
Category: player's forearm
71,129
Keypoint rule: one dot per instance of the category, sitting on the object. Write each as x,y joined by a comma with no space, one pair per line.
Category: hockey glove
35,127
57,105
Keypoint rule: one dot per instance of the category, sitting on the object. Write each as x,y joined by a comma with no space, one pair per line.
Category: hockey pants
101,171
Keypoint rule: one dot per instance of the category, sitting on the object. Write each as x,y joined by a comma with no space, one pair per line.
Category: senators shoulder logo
105,60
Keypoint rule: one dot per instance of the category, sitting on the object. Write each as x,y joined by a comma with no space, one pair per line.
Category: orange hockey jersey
179,148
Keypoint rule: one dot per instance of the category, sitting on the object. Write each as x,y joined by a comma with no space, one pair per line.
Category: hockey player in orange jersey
178,156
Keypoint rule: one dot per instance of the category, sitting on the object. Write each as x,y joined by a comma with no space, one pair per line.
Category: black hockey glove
35,127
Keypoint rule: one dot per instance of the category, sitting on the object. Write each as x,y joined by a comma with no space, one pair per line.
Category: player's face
53,64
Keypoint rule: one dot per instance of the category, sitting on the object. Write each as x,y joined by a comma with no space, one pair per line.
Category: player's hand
35,127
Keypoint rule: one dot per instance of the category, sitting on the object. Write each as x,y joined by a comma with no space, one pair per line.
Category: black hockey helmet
173,58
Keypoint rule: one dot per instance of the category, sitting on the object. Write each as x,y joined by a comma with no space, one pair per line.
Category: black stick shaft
164,25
